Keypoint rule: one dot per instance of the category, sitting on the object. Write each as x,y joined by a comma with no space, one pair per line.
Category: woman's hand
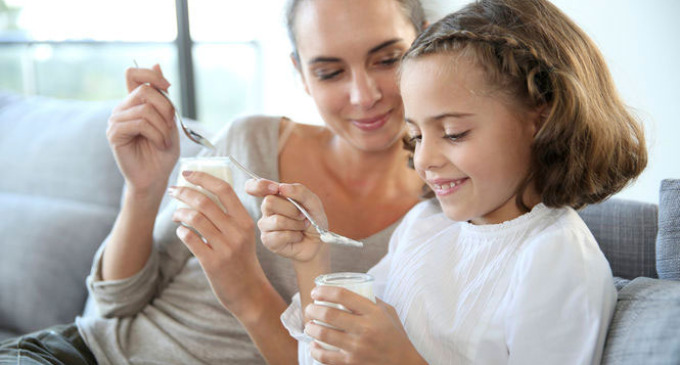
370,333
228,254
142,132
284,229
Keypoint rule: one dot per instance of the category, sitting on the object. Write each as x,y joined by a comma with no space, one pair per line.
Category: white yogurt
215,166
359,283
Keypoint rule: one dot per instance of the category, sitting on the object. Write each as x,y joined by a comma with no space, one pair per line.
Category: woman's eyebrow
322,59
384,45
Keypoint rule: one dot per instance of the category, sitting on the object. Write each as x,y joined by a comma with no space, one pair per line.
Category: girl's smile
443,187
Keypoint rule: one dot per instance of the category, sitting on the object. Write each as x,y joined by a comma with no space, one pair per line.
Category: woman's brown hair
589,146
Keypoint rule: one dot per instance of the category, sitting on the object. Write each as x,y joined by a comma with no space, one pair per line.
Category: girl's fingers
277,205
261,187
278,241
331,336
281,223
138,76
342,319
328,357
306,198
355,303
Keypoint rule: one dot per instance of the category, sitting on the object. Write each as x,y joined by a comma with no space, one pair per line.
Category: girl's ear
295,60
542,114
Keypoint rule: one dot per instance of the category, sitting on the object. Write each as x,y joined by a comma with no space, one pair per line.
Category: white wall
639,40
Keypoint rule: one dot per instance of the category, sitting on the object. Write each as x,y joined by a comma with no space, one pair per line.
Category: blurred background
229,58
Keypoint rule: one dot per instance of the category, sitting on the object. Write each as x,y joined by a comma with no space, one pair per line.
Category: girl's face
471,148
349,53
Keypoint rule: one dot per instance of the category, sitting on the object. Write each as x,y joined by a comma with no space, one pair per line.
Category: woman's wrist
258,305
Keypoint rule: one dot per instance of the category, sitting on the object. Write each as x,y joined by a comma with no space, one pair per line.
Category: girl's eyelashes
413,139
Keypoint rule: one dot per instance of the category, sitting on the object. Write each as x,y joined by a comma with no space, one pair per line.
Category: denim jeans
58,345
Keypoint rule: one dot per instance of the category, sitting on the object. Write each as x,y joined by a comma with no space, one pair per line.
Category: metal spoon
326,235
193,136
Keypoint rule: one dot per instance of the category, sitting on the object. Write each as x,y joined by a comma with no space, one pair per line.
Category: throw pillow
668,238
644,329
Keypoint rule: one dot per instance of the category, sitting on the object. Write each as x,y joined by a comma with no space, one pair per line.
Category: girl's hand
142,132
371,334
284,229
228,256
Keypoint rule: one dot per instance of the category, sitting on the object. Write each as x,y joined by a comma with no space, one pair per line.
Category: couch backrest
626,231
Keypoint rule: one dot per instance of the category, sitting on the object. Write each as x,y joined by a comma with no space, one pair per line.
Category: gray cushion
646,324
668,239
44,264
58,148
59,196
626,232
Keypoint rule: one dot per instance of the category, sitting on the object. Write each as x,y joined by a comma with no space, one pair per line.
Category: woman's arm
229,259
145,143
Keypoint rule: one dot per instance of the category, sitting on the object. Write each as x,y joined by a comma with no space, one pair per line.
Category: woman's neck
367,172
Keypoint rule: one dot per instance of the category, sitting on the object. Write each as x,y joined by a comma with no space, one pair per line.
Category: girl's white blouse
533,290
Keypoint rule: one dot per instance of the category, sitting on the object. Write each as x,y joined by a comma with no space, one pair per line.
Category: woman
158,305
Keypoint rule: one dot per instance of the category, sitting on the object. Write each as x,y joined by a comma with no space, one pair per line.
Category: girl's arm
368,333
563,300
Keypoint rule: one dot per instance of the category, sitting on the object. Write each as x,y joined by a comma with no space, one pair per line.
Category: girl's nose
364,90
427,156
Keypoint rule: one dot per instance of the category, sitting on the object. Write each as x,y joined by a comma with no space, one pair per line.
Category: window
80,49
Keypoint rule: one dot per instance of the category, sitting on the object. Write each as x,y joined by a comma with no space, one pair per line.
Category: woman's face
349,53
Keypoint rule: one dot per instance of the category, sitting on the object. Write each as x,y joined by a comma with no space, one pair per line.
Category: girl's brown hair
588,146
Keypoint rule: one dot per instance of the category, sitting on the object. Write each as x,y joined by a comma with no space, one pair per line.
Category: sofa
60,193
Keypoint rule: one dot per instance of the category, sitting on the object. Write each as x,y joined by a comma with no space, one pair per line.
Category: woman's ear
295,59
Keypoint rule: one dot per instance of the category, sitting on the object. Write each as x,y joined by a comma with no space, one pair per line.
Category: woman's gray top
167,313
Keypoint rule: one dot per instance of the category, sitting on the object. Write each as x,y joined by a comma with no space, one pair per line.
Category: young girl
515,123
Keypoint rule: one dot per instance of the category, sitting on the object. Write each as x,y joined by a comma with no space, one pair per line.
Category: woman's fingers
207,216
193,241
145,94
135,76
148,113
121,133
222,190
